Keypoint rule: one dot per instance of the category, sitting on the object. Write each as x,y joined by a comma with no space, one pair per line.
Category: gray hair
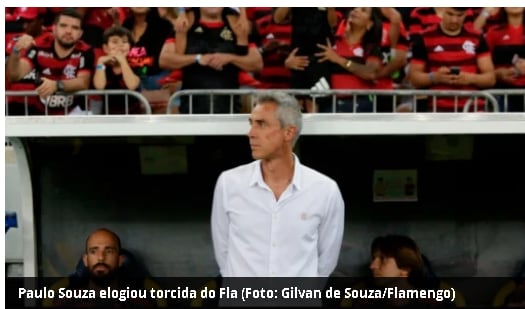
288,110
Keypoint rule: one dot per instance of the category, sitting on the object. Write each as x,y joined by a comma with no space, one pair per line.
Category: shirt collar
257,178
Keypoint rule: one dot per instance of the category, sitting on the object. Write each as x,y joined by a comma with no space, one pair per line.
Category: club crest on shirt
358,52
226,34
469,47
70,71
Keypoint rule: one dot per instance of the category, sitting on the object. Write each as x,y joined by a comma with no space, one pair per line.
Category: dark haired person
506,41
448,56
355,59
63,63
114,72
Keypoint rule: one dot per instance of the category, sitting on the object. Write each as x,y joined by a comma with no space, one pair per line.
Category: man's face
267,137
452,20
67,31
102,257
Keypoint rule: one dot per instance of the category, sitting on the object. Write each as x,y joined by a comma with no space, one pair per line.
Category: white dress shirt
255,235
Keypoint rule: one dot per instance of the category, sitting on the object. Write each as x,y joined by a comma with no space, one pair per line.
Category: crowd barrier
89,96
497,99
397,96
503,97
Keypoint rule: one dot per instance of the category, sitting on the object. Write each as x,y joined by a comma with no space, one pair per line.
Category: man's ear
84,259
290,132
121,259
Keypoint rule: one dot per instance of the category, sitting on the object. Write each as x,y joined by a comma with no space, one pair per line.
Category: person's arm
519,65
17,68
506,75
331,14
50,87
486,77
417,74
280,15
367,71
294,62
399,60
171,60
252,62
331,233
394,65
394,17
131,80
99,77
182,25
220,225
81,82
172,55
484,15
415,26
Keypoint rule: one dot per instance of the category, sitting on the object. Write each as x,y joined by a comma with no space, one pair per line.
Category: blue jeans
151,82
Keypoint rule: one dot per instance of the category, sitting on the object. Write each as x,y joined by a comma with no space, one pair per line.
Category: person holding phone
449,56
506,41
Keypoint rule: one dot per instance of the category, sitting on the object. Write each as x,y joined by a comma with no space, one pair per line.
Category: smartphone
38,79
455,70
515,59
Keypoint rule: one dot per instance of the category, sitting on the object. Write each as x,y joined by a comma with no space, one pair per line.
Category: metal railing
502,95
106,94
335,95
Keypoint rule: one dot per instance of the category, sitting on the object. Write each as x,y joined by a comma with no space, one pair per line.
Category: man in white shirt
275,216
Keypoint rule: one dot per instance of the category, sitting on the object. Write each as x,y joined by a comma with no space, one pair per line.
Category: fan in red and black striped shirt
63,62
507,44
449,45
274,40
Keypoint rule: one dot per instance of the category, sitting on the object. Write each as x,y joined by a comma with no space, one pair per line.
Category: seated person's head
102,257
395,256
117,40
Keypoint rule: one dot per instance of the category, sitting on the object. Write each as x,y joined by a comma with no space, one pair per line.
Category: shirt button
274,245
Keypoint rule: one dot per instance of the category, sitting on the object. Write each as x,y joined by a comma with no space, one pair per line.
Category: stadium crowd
158,51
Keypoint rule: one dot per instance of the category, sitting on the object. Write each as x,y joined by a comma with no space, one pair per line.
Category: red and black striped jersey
435,49
28,81
43,58
507,42
386,51
274,75
255,13
341,78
